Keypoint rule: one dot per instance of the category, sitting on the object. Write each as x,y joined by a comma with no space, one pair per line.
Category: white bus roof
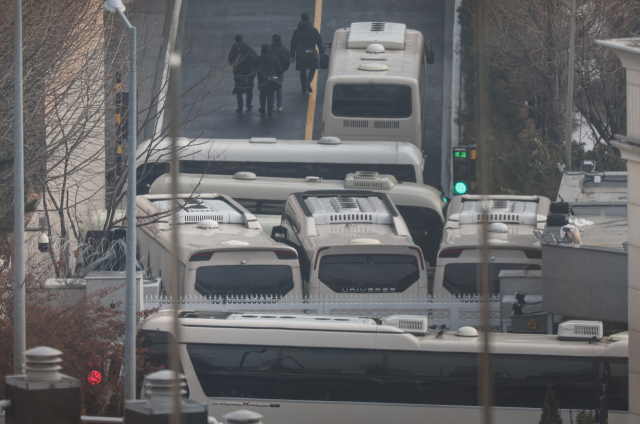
337,218
519,214
401,62
402,194
356,333
236,228
272,150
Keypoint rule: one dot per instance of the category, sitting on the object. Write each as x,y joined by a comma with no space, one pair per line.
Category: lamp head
114,5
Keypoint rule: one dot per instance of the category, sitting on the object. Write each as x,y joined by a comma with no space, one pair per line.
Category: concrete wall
628,50
585,282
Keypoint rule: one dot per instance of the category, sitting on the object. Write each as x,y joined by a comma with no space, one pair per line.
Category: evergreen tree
550,408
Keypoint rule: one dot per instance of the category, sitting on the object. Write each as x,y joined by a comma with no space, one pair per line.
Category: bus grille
587,330
386,124
369,184
187,219
350,123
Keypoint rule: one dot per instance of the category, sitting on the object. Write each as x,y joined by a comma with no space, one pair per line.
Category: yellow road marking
311,111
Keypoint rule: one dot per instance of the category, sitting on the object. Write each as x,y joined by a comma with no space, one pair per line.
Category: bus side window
522,381
431,378
425,226
617,383
153,346
147,173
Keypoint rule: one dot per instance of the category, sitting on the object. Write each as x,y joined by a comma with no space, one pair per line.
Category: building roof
604,203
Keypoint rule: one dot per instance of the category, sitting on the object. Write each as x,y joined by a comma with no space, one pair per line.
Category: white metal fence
452,311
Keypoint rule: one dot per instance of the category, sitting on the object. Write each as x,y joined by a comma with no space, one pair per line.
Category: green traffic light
460,188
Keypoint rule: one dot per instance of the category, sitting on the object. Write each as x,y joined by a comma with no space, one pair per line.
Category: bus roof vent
580,330
372,66
262,140
505,211
342,210
409,323
194,211
370,180
245,175
375,48
207,224
330,140
389,35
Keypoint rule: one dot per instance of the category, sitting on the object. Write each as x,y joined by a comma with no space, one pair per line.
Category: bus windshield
369,273
371,101
246,280
463,278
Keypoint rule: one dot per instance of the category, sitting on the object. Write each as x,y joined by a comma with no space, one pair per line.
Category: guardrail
452,311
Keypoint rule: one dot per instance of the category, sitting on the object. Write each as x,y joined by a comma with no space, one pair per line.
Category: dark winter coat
303,46
242,58
268,66
282,53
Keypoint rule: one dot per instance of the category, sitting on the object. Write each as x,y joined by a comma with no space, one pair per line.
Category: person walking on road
303,51
243,60
282,53
269,79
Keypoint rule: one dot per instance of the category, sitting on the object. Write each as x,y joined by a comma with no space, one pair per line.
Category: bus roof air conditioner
389,35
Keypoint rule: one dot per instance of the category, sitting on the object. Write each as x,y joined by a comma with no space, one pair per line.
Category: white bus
422,207
269,157
223,251
352,242
512,244
376,88
327,369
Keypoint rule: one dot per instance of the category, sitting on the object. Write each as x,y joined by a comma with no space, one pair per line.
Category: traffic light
461,181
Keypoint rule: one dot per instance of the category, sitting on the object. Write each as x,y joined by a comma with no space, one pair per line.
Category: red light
285,254
94,377
450,253
200,257
419,253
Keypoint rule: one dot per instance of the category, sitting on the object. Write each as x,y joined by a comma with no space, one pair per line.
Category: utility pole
130,285
485,386
569,128
19,324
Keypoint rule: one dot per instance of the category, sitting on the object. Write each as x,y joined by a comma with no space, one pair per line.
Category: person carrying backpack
269,79
303,51
282,53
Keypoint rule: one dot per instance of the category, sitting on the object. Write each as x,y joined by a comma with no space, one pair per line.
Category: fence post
158,407
42,395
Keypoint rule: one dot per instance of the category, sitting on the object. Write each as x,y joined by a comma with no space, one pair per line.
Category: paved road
213,26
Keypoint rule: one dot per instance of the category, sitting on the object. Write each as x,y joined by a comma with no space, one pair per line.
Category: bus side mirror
279,233
429,57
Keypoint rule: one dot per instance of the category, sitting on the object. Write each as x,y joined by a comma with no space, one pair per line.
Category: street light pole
19,325
569,126
130,290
